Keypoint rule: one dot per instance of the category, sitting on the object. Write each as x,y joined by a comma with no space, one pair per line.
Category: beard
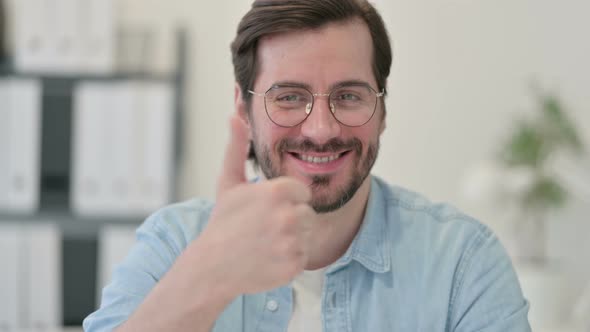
332,199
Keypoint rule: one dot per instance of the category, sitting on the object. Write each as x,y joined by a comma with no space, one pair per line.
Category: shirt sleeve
158,244
487,296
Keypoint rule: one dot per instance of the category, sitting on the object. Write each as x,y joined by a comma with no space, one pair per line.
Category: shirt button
272,305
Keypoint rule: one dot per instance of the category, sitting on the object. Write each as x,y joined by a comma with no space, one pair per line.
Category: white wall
461,76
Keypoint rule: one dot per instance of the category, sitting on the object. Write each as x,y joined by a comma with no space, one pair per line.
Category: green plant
531,147
532,144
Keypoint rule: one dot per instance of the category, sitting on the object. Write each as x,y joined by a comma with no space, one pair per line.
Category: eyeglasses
352,105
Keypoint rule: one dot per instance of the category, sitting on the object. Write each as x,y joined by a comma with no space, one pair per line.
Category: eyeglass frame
313,95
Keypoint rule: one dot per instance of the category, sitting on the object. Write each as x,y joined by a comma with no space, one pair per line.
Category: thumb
236,154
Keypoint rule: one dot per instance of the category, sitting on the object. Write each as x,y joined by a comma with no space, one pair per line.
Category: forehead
318,57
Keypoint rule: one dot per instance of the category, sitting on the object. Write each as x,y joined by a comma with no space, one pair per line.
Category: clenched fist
256,240
258,232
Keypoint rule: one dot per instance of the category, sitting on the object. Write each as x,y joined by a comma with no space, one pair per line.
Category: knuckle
276,190
285,218
288,216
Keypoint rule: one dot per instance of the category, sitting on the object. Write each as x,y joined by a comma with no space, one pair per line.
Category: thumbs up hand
256,240
258,232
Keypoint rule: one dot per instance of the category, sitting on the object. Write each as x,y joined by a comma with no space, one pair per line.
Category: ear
384,116
240,105
383,124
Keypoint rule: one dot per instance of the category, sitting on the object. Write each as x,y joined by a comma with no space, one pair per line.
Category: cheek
373,132
366,134
268,134
258,125
276,134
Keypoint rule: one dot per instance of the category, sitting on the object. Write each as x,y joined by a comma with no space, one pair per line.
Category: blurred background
110,109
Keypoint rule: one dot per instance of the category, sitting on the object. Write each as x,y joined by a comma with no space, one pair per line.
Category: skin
328,61
260,236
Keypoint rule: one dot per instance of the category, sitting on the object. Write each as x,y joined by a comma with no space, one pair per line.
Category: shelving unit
79,234
56,141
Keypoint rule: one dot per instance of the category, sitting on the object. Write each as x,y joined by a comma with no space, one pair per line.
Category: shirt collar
370,246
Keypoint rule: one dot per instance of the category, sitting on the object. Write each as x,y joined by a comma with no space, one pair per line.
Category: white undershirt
307,302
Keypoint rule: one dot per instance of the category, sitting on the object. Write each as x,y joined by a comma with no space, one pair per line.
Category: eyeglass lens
352,105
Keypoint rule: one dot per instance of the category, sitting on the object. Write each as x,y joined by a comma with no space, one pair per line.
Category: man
317,244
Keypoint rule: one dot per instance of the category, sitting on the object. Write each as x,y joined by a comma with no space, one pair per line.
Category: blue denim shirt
413,266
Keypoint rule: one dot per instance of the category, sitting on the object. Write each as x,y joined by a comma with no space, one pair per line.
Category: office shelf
80,233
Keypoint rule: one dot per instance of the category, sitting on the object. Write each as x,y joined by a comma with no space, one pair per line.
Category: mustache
333,145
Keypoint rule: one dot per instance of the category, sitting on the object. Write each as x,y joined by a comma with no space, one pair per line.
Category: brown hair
267,17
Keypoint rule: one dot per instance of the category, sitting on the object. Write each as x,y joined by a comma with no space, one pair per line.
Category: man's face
333,159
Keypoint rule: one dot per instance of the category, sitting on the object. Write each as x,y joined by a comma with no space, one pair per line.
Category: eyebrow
308,87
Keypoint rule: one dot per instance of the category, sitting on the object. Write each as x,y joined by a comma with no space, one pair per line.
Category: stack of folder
122,148
30,282
61,36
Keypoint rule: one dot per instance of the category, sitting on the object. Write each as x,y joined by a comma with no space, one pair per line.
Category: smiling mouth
317,159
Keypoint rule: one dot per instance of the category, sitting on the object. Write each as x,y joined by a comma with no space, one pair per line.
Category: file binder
20,114
156,139
10,278
97,33
89,150
5,138
33,35
44,276
65,45
25,145
122,120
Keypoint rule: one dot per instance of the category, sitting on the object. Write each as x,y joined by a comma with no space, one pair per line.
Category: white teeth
318,160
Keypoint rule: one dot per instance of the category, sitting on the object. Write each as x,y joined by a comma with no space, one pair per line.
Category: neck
333,232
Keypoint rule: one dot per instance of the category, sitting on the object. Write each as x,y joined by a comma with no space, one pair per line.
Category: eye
288,95
348,96
288,98
352,96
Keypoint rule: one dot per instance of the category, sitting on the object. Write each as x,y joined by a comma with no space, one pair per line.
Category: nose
320,126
